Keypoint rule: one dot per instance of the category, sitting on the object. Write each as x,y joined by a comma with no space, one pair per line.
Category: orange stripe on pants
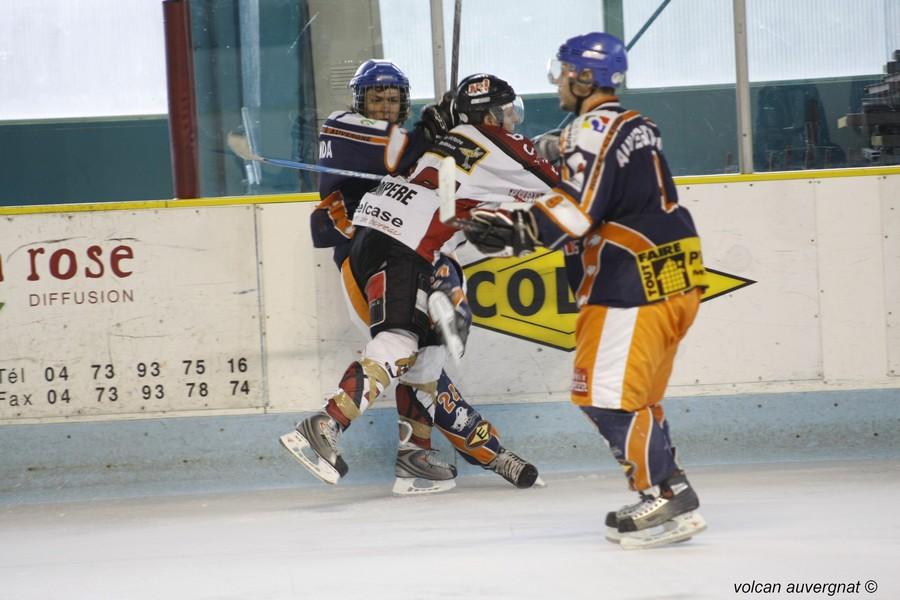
637,448
354,295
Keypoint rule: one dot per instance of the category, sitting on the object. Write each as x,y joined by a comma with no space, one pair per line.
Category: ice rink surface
800,523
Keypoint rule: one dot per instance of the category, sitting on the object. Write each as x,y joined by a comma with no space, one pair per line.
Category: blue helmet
380,74
598,57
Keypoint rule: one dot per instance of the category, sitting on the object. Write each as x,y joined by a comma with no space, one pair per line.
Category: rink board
229,309
125,313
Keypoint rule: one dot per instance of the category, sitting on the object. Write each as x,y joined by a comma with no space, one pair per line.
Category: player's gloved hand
547,145
438,119
497,231
448,307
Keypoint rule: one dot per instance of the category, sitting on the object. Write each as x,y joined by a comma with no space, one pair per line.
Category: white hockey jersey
492,166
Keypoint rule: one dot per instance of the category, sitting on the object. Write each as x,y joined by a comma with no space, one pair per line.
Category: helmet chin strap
579,100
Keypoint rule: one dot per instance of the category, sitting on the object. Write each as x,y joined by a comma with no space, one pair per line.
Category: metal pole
437,52
454,57
182,102
742,89
251,87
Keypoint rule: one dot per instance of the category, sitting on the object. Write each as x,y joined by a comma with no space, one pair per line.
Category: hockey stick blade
239,145
447,190
441,311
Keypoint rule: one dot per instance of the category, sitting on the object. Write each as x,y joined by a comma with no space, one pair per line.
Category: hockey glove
547,145
493,231
448,306
451,322
438,119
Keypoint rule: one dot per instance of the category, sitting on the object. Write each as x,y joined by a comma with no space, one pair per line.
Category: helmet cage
359,100
379,75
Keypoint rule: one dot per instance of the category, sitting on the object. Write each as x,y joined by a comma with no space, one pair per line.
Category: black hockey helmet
482,93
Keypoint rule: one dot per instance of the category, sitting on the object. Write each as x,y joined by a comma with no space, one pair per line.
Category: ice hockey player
634,263
370,138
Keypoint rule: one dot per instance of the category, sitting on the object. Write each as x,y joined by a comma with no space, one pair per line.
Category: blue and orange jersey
615,212
351,141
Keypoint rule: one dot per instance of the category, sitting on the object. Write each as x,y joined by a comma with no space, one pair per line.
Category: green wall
85,161
99,161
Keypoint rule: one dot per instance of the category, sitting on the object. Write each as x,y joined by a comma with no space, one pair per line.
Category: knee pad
417,401
638,442
428,366
360,386
394,351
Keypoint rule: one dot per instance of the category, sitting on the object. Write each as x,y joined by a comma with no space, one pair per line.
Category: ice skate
665,518
515,470
314,444
418,470
614,516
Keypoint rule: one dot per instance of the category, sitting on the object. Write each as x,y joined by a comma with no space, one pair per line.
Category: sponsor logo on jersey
671,268
325,149
599,124
479,436
395,190
529,297
579,382
378,214
466,152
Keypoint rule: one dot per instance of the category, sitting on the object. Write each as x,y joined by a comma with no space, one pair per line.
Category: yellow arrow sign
529,297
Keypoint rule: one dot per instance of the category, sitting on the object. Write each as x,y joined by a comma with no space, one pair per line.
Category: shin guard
638,442
411,412
474,438
360,385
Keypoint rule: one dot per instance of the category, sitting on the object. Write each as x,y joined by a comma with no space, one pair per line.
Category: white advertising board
182,311
129,313
889,190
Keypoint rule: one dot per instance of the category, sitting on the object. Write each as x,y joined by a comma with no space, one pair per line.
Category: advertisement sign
122,312
529,297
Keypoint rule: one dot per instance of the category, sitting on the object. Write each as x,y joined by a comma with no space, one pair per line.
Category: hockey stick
254,174
447,191
241,146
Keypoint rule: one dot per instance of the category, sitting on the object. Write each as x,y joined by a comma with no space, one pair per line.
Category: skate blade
416,486
539,483
613,535
679,529
295,443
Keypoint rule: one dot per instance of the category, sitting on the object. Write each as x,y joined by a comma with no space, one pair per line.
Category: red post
182,102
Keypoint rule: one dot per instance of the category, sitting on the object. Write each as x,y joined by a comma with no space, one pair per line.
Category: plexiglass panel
825,83
681,74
